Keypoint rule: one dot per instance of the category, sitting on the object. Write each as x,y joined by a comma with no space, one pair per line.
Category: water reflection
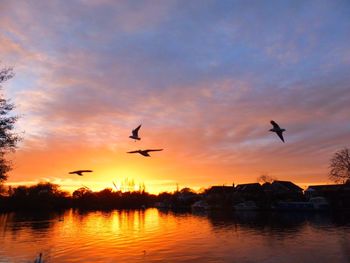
157,236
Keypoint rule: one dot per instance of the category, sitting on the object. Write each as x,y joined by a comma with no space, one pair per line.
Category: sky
204,78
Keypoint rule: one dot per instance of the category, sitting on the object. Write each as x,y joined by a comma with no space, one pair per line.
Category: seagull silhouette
276,128
80,172
146,152
135,133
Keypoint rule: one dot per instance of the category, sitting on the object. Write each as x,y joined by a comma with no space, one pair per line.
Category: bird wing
134,151
81,171
275,125
153,150
136,131
279,133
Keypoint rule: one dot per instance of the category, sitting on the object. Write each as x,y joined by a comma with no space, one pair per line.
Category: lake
152,235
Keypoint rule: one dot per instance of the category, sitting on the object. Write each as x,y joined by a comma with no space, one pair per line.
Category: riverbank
279,195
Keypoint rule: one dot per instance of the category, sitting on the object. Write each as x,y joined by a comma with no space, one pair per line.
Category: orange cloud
204,83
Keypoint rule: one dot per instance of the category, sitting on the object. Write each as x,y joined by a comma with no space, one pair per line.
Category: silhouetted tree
264,178
81,192
39,196
187,190
8,138
340,166
2,189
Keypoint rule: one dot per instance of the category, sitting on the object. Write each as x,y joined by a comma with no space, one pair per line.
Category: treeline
40,196
48,196
109,199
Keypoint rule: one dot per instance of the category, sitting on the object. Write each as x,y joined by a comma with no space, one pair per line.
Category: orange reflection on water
97,236
159,236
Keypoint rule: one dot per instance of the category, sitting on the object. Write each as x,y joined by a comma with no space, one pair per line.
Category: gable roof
248,187
325,187
220,189
288,185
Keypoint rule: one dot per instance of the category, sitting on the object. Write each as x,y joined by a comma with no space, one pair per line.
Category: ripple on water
154,236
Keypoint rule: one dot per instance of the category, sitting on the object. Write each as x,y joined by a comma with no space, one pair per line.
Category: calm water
156,236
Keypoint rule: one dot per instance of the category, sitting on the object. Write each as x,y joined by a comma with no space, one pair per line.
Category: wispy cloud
204,78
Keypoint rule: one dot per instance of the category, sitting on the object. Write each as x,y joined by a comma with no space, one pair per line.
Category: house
220,190
286,187
248,192
219,196
286,190
337,194
248,188
322,190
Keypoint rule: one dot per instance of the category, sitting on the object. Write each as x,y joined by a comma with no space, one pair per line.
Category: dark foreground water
158,236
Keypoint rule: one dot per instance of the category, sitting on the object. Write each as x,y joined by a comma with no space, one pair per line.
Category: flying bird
135,133
80,172
146,152
277,129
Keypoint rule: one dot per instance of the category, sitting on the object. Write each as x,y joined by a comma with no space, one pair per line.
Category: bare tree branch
340,166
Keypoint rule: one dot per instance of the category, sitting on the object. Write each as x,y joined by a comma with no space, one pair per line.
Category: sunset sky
203,77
